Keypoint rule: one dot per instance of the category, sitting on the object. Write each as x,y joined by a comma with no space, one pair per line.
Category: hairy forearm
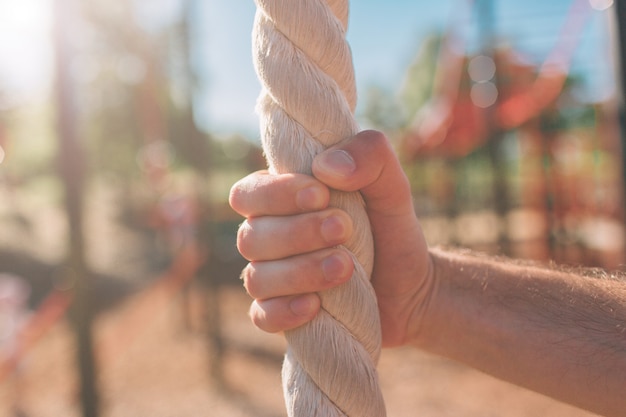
558,333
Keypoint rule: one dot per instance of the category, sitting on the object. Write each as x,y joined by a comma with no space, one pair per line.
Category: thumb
367,163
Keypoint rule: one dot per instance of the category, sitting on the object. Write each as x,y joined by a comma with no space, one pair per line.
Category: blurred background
123,125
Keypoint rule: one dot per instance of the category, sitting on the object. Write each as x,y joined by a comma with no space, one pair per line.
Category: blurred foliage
382,110
390,110
420,75
562,163
129,93
132,85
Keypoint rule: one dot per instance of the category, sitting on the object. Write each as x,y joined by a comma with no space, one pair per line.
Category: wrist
448,312
420,324
426,316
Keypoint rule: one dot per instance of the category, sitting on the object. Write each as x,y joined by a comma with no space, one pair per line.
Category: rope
306,105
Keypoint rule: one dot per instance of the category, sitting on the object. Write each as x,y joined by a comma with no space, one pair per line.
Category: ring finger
269,238
312,272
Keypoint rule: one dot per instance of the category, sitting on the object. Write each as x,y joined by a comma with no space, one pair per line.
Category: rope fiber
307,103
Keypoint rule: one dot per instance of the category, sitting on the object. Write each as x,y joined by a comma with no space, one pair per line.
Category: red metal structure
453,124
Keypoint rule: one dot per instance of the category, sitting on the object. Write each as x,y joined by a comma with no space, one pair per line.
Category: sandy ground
160,368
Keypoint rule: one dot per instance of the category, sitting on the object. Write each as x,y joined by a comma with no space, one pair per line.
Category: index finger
265,194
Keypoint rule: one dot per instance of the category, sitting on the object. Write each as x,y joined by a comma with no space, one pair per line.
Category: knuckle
260,319
255,317
244,240
375,139
235,197
376,146
243,196
249,282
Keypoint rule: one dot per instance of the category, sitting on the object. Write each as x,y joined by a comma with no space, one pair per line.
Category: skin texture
558,333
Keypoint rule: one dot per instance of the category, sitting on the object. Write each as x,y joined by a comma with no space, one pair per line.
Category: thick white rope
307,103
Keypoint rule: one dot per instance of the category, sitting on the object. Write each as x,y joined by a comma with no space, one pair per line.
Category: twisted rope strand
306,105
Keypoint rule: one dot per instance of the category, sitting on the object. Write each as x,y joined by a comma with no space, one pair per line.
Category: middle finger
269,238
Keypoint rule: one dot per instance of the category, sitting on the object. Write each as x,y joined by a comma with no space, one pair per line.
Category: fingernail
333,230
311,198
335,267
303,305
338,162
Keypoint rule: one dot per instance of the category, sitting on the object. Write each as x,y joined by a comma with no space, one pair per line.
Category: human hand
290,237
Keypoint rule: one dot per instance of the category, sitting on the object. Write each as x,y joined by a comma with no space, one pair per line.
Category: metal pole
620,11
71,170
487,35
216,345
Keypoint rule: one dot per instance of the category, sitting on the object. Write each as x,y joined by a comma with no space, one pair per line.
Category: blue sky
384,36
